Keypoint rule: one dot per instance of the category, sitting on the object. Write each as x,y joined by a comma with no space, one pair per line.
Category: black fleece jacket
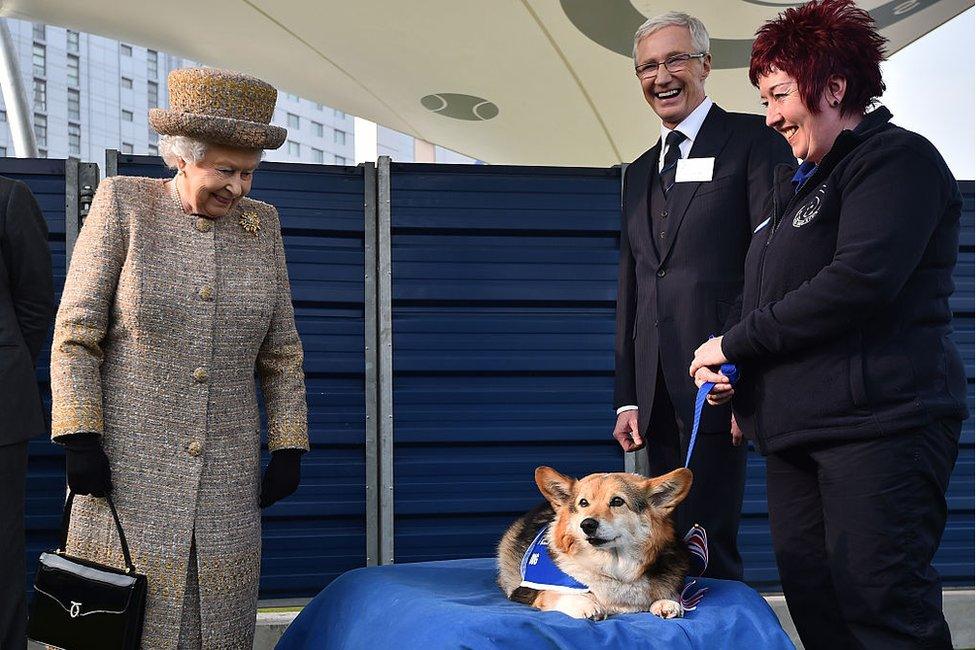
845,329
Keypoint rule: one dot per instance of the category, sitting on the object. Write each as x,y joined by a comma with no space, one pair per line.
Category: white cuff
628,407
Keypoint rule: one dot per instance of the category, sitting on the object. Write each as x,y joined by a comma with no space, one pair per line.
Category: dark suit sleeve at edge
625,389
29,265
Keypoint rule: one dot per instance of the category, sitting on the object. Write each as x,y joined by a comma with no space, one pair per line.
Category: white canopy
546,82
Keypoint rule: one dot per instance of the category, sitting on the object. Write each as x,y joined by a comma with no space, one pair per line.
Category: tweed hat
221,107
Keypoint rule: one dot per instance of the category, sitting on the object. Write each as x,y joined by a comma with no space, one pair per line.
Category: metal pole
111,162
15,96
371,346
385,311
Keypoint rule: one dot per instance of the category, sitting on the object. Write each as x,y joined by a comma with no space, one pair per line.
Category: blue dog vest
540,572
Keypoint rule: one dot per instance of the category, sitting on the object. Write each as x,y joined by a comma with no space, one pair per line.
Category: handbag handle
66,518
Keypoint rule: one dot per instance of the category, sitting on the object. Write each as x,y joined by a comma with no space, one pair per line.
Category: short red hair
818,40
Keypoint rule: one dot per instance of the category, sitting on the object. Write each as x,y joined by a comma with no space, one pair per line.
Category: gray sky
931,90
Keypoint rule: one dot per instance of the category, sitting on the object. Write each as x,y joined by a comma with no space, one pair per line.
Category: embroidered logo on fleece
809,212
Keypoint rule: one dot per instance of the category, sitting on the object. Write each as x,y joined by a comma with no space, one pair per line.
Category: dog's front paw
575,605
666,609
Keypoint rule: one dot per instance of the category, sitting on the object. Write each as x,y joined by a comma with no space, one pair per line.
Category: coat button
204,225
661,273
195,448
664,214
206,292
200,375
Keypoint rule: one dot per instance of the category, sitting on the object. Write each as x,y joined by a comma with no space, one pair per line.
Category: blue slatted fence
504,282
503,322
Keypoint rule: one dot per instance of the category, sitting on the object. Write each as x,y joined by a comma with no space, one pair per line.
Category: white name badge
694,170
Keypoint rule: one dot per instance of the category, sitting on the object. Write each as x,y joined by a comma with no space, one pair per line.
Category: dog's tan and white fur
613,533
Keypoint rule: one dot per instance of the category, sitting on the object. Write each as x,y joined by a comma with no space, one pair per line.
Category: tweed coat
163,321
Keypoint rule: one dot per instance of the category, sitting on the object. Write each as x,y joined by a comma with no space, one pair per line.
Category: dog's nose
589,525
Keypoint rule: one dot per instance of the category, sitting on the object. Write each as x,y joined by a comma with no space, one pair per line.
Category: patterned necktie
671,156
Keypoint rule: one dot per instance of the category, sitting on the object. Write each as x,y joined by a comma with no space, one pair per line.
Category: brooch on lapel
250,222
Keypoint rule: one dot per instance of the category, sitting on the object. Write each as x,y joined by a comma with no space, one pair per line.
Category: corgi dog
609,535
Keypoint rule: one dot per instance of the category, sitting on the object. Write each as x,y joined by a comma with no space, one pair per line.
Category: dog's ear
666,492
555,487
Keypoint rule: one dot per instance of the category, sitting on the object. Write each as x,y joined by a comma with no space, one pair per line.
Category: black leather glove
282,476
86,464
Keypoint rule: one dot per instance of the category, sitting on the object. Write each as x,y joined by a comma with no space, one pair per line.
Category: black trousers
855,526
13,569
715,499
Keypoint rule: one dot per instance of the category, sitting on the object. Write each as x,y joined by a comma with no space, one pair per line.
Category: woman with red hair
852,386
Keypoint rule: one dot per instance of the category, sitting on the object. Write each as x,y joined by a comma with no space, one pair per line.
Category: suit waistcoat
658,210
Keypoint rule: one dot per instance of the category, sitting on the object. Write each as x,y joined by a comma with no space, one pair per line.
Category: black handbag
80,604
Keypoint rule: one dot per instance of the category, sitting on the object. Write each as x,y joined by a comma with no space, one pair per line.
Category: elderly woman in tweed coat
176,295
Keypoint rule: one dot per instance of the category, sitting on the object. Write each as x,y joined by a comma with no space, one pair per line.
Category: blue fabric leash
730,371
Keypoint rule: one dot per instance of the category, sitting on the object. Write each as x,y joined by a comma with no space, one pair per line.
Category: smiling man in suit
691,204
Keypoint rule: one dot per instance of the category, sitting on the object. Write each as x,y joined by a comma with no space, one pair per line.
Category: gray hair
699,35
174,147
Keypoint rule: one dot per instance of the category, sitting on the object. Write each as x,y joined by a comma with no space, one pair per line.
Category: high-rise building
88,93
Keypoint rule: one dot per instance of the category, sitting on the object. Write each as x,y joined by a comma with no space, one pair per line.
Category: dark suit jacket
668,303
26,311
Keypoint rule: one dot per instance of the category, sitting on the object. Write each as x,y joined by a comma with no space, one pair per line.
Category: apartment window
340,137
153,150
318,106
126,147
3,152
293,121
125,50
318,129
126,82
318,155
294,149
74,139
152,94
73,67
39,58
339,115
40,130
126,115
153,136
152,64
74,104
40,95
3,116
40,32
42,153
72,42
339,160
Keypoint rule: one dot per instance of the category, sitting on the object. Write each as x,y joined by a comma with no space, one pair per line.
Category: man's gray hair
699,35
174,147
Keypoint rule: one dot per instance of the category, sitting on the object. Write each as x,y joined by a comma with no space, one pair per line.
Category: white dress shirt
690,126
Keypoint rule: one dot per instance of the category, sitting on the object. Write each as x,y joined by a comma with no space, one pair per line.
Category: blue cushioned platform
456,604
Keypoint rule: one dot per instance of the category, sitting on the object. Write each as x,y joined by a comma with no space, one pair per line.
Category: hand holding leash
722,390
708,353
